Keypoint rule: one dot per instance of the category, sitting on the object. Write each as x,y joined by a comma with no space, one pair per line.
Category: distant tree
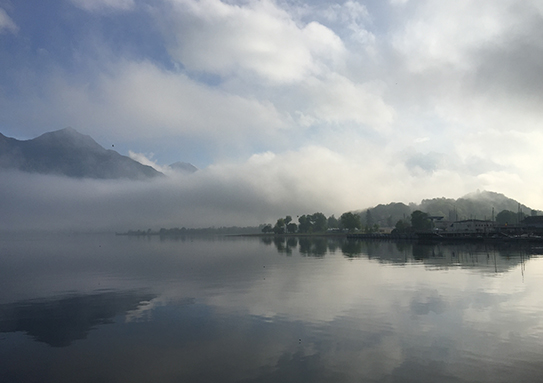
350,221
402,226
369,218
420,221
333,222
304,224
389,221
505,217
389,214
267,228
509,217
292,227
319,222
371,228
279,227
288,219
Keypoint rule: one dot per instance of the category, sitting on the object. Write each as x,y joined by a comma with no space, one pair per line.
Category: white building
472,226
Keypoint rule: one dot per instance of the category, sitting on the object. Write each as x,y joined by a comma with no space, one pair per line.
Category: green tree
420,221
304,224
350,221
279,227
371,228
333,222
267,228
506,217
319,222
369,218
292,227
389,221
402,226
509,217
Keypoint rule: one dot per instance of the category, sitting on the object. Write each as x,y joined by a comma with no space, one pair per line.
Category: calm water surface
103,308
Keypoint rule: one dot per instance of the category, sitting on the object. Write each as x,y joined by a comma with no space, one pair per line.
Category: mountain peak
183,167
70,153
68,137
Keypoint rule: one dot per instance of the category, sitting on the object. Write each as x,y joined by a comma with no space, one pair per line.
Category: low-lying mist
217,196
259,190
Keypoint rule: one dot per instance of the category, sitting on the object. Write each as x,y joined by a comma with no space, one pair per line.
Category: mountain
477,205
70,153
183,167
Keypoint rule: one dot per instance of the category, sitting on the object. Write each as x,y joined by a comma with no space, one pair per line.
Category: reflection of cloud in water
427,301
144,312
262,316
61,320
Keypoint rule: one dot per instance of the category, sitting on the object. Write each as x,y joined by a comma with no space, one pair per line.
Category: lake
106,308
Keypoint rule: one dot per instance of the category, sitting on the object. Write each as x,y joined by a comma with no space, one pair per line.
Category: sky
286,107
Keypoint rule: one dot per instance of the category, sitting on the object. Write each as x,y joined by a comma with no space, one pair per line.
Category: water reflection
61,320
268,309
487,256
306,246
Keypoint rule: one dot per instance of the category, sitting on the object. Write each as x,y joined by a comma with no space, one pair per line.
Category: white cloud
174,103
349,19
6,23
140,100
257,36
147,159
443,33
337,99
101,5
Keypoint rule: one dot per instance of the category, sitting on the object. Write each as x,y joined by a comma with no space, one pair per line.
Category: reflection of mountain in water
486,257
60,321
493,257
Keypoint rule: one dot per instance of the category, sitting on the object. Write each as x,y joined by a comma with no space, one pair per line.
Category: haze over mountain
476,205
183,167
70,153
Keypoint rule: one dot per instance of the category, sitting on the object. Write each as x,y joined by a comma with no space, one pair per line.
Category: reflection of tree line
307,246
499,255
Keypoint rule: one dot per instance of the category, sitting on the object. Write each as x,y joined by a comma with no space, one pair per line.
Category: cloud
472,62
434,37
147,159
429,162
255,38
172,101
142,100
6,23
102,5
339,100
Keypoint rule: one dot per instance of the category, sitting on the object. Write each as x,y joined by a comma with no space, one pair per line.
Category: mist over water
234,309
212,197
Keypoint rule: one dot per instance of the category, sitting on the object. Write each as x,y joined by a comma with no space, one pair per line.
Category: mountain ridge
70,153
475,205
183,167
